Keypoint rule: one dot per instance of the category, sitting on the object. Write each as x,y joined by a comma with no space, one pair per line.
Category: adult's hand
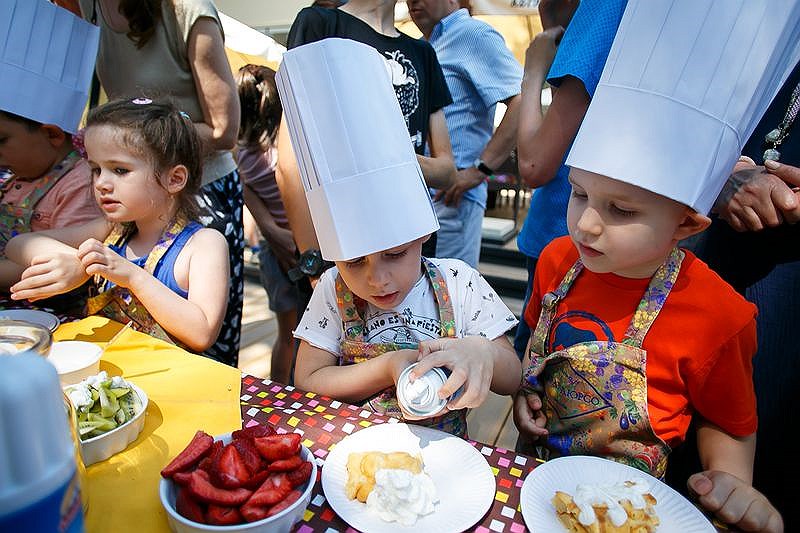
465,180
756,197
541,52
556,12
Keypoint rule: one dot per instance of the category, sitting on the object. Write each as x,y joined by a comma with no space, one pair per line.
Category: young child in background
261,115
633,335
383,306
48,185
153,264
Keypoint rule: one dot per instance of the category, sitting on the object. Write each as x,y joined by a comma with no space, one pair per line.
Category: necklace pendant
771,154
773,136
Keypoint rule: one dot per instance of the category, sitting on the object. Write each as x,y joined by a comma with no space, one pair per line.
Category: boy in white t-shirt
383,307
390,309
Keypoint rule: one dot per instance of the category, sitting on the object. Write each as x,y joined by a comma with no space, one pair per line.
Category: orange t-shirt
699,349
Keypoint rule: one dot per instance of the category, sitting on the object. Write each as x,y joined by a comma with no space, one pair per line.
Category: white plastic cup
39,482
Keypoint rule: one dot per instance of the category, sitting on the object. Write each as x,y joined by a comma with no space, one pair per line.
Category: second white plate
566,473
464,481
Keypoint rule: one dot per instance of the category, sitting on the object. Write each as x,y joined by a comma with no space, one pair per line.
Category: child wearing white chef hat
47,58
632,334
383,306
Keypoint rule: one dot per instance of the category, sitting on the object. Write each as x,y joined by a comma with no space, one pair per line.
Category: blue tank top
165,269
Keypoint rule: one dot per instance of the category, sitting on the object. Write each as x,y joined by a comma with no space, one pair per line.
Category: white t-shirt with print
477,307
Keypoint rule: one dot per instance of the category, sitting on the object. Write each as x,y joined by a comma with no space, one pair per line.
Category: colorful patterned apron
595,393
354,349
117,303
16,219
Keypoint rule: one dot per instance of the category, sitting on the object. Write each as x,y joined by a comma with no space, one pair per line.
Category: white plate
464,481
48,320
566,473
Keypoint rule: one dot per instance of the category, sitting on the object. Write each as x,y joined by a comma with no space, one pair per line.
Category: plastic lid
36,450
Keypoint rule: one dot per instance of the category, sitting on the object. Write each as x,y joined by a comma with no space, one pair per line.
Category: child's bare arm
50,258
317,370
477,363
725,486
195,320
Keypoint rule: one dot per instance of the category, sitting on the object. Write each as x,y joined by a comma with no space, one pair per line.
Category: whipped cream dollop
609,496
401,496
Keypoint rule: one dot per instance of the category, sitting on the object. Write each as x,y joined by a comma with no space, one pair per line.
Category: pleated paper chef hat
684,86
47,57
363,183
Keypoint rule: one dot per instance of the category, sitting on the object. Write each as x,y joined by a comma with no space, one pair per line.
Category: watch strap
483,167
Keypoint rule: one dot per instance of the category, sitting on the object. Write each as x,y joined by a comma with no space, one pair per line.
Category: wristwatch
310,263
483,167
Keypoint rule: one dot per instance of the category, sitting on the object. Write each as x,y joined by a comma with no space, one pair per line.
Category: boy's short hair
30,124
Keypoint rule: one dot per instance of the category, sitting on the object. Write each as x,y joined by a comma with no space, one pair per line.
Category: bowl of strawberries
253,479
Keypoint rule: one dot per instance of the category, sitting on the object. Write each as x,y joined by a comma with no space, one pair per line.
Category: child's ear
692,224
177,177
55,135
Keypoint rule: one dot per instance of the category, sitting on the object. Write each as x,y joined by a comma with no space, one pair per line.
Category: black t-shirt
416,74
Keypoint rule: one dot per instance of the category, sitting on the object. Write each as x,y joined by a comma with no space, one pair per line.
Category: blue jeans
523,334
459,234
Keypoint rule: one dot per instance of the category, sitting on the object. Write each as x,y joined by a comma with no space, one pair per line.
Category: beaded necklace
779,134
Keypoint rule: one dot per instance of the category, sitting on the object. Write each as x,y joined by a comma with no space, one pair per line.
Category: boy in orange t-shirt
632,335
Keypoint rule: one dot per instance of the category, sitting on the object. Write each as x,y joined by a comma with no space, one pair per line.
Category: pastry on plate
361,468
625,507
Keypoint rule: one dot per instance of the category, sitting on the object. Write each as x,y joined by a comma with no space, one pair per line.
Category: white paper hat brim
656,143
47,57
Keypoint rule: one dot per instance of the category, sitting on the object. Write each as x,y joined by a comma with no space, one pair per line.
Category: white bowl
75,360
103,446
279,523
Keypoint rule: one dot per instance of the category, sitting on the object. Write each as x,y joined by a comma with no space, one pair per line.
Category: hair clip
142,101
185,115
78,142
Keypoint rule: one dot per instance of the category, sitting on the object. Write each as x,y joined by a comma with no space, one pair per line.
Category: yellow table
186,393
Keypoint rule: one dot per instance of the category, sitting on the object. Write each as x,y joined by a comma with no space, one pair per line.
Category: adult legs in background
221,206
523,333
459,233
282,298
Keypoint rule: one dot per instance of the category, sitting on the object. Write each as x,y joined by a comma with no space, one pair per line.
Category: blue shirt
480,71
582,54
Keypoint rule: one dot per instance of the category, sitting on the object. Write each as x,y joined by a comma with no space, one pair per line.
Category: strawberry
182,478
286,465
274,489
252,513
285,503
249,454
201,488
300,475
188,507
253,432
223,516
258,478
275,447
229,471
198,447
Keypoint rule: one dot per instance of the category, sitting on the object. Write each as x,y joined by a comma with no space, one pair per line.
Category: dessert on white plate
623,507
394,485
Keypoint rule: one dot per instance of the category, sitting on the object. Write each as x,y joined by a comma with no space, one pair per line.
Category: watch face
310,262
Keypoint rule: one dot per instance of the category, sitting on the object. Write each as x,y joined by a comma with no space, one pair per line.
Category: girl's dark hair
161,134
261,107
142,15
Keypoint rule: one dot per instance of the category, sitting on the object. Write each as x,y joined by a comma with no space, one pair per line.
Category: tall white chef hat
47,57
362,180
684,86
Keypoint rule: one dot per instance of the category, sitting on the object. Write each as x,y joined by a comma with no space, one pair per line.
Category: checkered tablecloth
323,422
